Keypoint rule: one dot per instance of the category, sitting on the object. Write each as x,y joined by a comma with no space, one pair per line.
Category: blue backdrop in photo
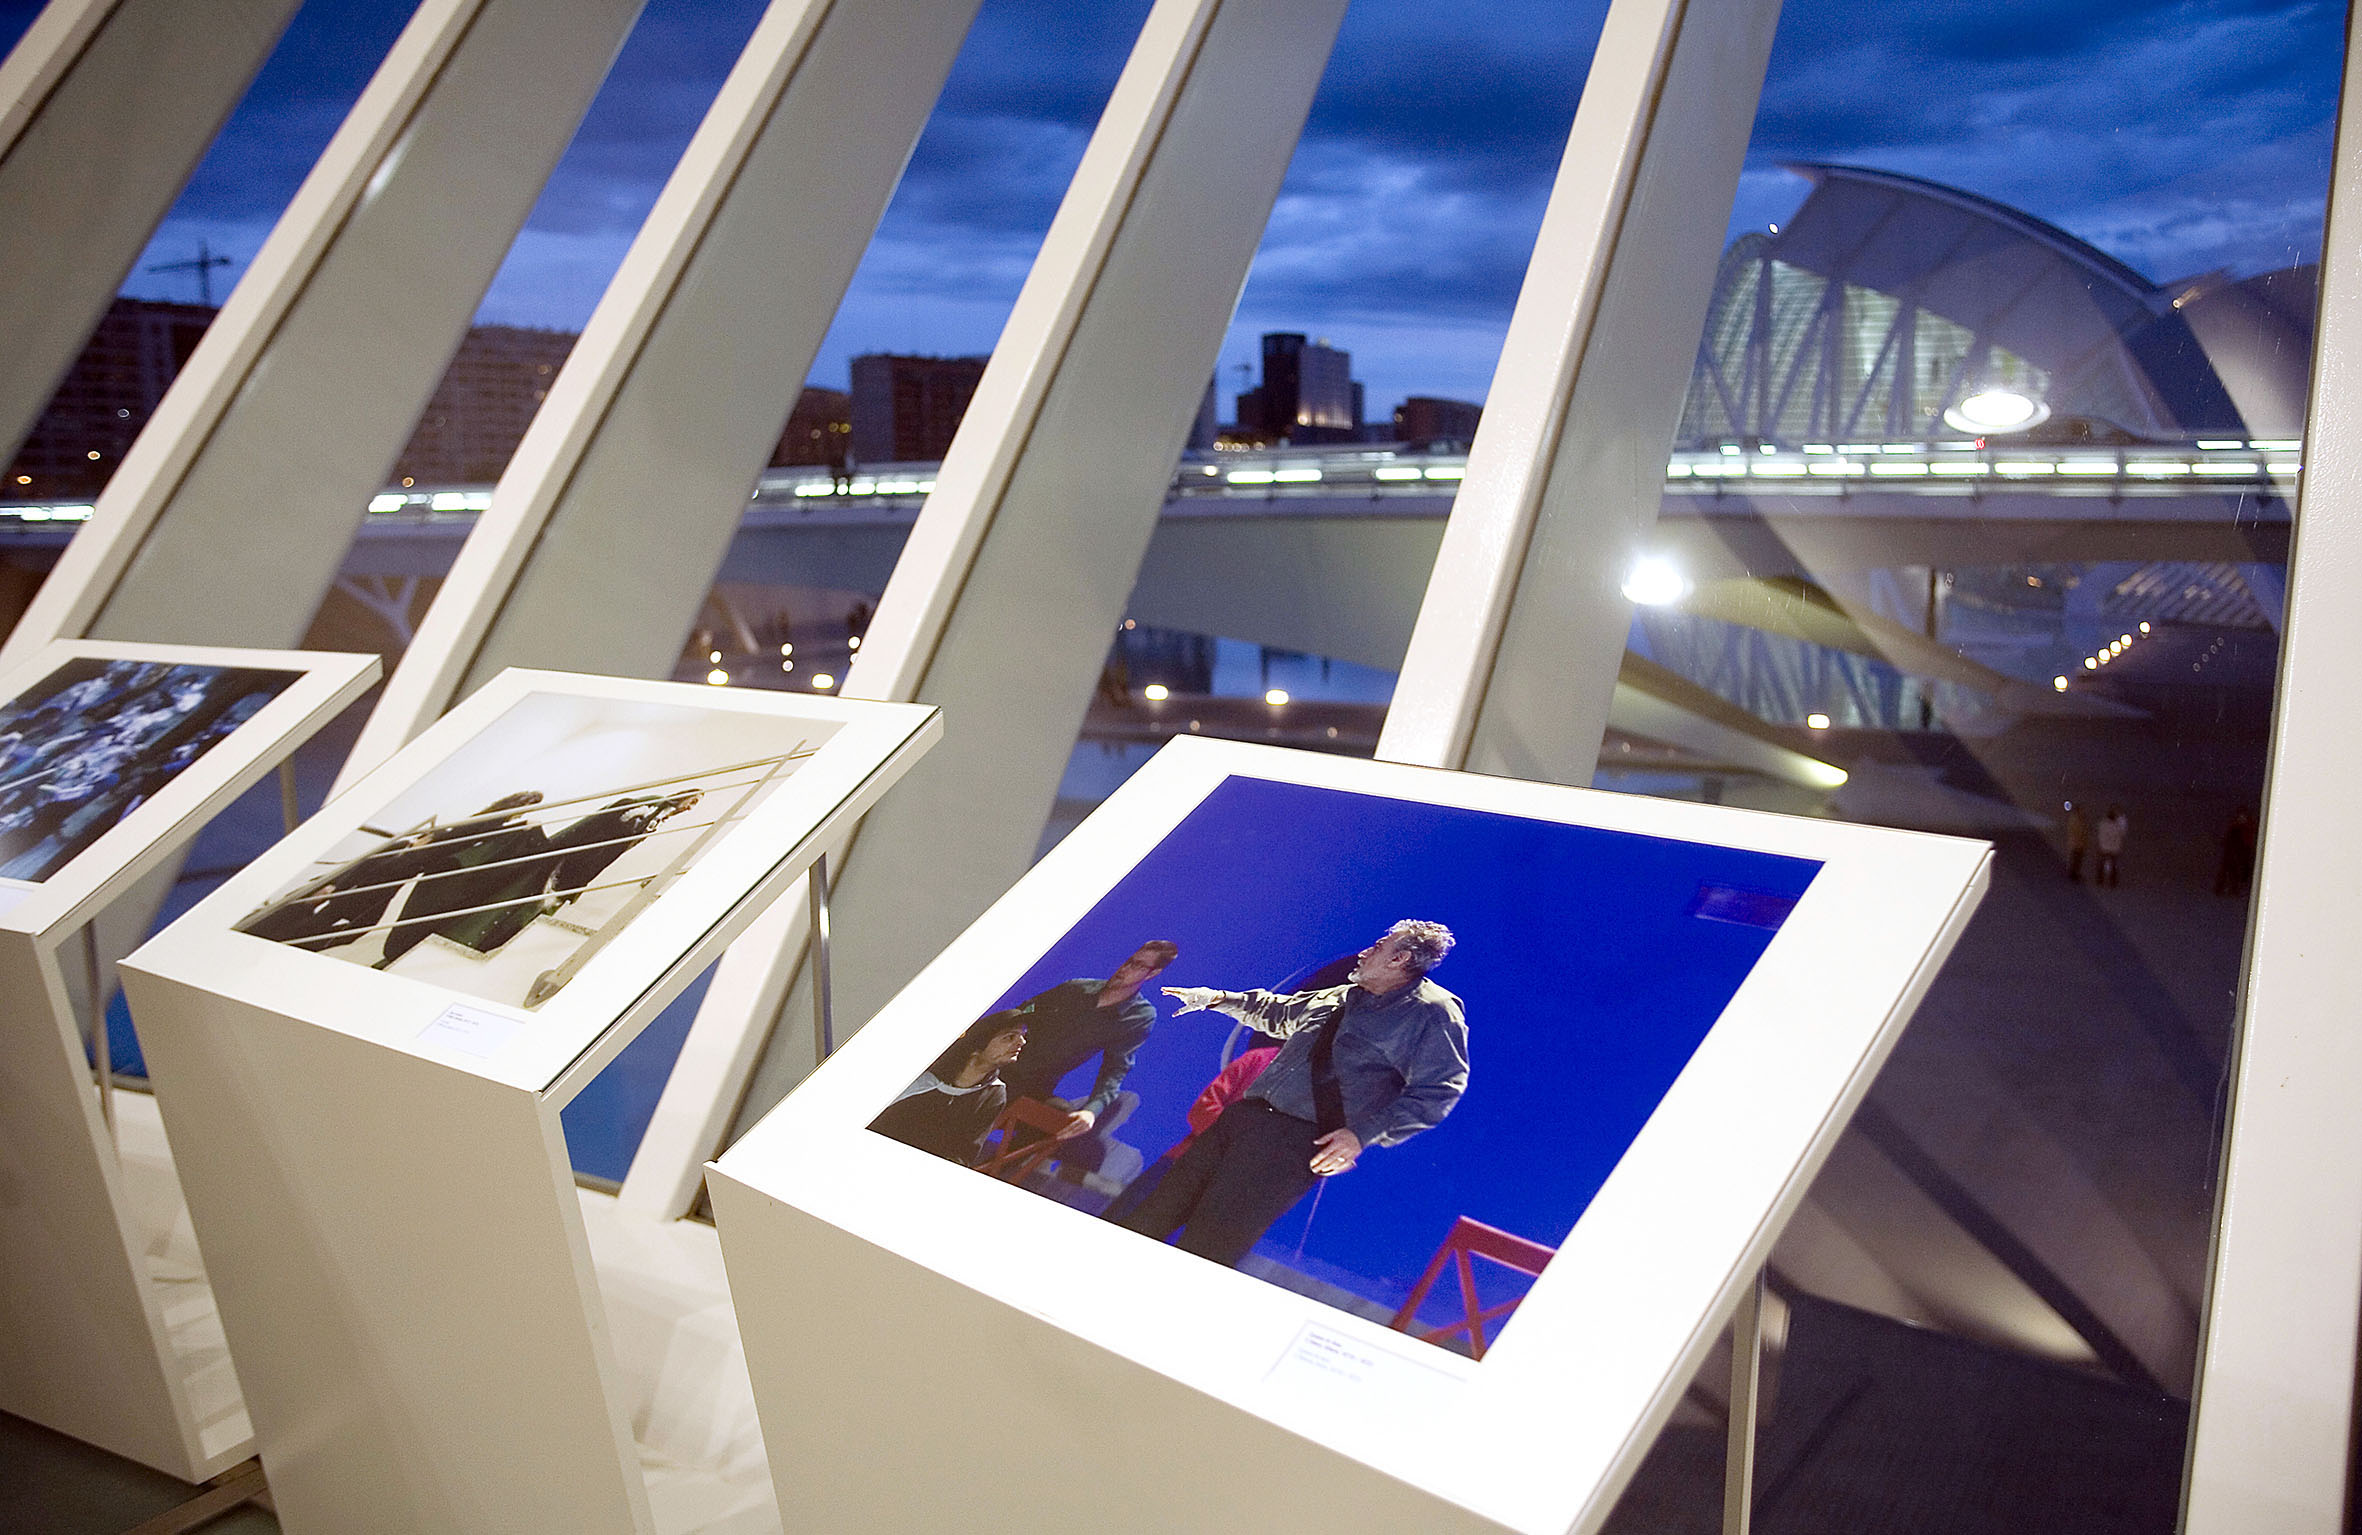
1587,978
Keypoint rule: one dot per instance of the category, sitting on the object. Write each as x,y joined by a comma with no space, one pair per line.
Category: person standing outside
2078,840
1370,1063
2236,867
1075,1020
2112,830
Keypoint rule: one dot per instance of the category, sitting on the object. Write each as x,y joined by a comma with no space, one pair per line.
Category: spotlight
1655,581
1816,721
1996,412
1156,692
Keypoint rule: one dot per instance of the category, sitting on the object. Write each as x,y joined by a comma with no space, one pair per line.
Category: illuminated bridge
1811,564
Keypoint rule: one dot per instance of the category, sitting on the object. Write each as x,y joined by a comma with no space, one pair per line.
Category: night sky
2179,135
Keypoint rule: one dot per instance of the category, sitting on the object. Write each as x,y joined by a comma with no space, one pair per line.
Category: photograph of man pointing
1366,1064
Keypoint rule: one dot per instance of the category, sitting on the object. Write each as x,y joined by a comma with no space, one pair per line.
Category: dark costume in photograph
950,1108
1078,1019
571,863
469,863
1369,1063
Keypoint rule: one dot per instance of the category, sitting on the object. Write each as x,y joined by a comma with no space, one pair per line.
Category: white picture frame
559,1045
321,684
924,1261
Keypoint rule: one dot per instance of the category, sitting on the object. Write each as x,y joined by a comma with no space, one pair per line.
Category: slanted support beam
1014,579
228,518
2272,1432
1514,659
605,534
106,106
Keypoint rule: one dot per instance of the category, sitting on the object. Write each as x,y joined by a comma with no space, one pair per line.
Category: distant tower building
819,430
1423,421
1307,394
105,398
480,410
905,409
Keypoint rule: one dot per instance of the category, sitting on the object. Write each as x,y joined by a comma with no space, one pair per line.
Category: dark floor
53,1485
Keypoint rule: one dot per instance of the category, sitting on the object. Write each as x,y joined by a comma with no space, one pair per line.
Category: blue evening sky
2179,135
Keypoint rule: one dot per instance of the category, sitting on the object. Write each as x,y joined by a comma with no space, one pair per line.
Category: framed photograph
106,748
506,887
1432,1117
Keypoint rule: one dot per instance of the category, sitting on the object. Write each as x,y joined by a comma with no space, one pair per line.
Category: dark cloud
2176,134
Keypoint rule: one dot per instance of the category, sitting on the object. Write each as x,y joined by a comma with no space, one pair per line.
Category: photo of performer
466,867
1367,1064
952,1104
358,898
1082,1018
94,740
1230,1084
1304,1111
504,892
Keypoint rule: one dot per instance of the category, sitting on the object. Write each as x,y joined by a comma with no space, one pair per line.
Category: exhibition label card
469,1031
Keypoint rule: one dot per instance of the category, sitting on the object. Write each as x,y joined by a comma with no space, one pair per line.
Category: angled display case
1317,1142
112,757
368,1036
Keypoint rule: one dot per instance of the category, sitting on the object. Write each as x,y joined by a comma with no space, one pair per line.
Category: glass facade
1981,494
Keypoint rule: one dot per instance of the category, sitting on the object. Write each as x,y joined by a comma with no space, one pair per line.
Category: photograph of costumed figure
512,862
92,741
1357,1046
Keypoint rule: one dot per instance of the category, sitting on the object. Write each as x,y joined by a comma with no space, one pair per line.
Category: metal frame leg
290,810
101,1047
1746,1362
824,1040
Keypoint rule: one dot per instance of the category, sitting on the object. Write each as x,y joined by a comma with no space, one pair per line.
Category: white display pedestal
107,1330
1671,1011
374,1158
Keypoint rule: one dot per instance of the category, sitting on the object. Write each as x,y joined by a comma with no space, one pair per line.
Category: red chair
1017,1157
1468,1240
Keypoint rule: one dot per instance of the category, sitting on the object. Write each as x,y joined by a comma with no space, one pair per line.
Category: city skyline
2178,135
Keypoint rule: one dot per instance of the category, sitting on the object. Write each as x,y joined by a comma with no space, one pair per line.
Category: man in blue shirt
1076,1020
1370,1063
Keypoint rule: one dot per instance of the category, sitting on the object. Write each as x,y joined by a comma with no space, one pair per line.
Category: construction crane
202,264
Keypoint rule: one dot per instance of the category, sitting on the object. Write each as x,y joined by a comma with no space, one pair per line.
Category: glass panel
199,250
1353,376
1982,493
894,374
